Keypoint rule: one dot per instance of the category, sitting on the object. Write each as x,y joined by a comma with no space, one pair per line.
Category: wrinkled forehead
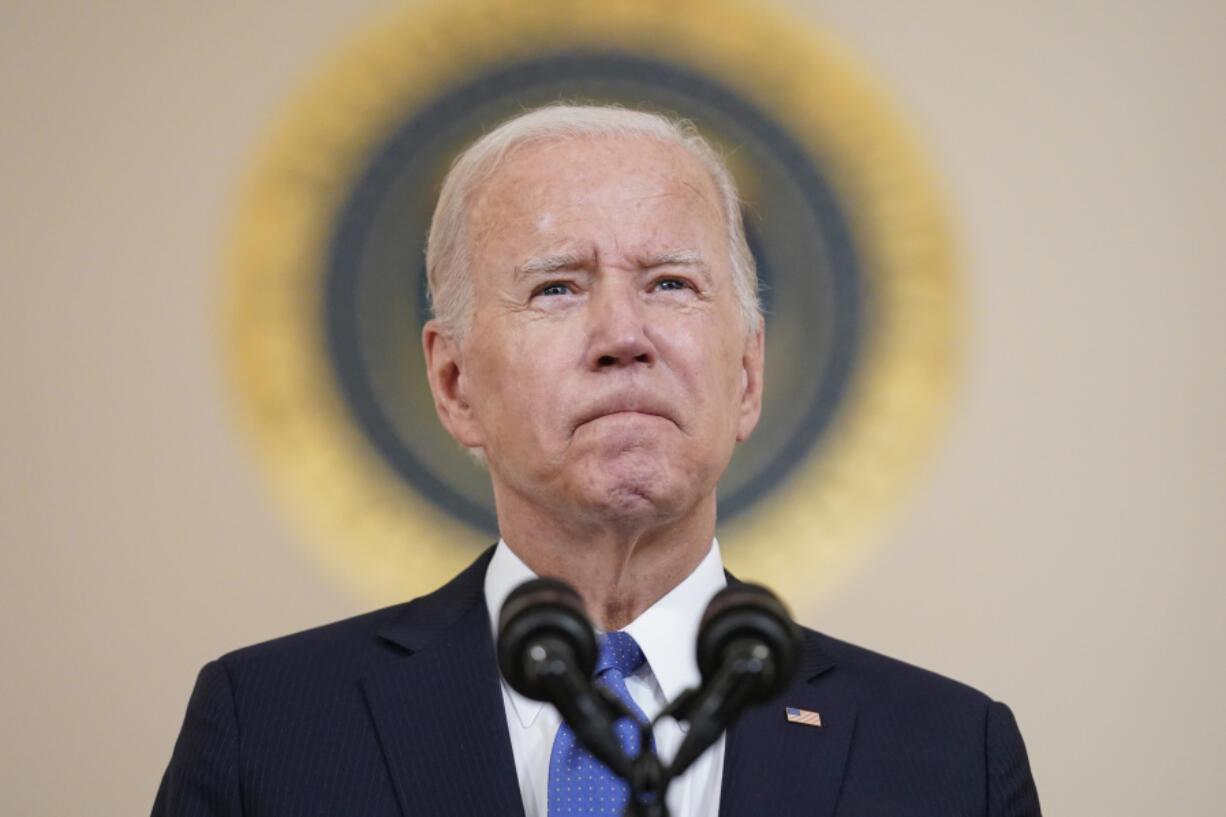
585,171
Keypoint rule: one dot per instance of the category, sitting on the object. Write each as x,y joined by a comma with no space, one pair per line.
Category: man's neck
619,571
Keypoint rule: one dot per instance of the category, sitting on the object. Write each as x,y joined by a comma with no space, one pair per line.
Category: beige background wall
1063,550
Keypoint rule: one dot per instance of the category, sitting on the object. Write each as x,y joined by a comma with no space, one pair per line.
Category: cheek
723,384
520,390
710,360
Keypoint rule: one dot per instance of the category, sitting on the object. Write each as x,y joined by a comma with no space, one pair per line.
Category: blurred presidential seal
326,289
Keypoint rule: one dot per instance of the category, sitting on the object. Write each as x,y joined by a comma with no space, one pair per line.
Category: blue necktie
579,784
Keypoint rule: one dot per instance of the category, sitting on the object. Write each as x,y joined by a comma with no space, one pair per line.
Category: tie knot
619,651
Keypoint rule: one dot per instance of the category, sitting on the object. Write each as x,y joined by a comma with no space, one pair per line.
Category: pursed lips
624,405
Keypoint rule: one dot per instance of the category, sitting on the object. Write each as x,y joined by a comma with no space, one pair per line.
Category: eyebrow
676,258
547,264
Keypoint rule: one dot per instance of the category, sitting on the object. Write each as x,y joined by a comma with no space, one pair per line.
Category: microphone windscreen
749,613
543,612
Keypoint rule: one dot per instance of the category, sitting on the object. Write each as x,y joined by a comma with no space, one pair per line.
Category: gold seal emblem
326,294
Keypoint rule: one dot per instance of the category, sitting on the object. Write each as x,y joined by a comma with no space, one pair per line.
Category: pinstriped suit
399,713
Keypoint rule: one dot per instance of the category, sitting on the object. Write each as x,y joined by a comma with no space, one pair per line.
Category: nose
618,329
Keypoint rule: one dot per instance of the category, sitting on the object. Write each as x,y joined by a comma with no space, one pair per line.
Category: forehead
631,186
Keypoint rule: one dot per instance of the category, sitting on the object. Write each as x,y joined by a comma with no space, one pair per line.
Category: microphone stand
709,711
747,650
645,773
648,780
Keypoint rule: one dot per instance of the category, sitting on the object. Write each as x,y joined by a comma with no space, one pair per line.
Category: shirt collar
666,631
507,571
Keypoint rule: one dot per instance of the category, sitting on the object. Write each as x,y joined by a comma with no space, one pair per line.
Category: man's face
607,371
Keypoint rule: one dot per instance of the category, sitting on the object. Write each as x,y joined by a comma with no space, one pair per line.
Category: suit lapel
438,709
772,766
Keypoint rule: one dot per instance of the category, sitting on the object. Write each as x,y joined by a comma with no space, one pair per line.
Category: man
597,339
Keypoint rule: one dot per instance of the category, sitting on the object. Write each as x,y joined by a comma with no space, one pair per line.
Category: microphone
547,652
748,650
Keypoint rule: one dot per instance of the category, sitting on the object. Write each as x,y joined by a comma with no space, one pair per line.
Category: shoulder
351,640
923,730
880,677
351,646
894,697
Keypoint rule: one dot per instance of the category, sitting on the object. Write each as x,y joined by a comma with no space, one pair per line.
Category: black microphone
547,652
748,650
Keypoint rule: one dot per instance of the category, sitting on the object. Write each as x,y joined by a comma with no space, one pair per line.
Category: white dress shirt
666,632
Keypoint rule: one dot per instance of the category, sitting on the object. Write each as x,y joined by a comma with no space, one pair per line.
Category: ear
445,371
752,365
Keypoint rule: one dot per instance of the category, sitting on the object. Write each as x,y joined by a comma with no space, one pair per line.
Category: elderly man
597,339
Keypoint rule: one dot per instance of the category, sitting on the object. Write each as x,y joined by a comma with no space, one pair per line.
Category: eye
555,288
671,284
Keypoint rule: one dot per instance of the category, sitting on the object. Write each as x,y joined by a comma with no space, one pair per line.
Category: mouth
617,407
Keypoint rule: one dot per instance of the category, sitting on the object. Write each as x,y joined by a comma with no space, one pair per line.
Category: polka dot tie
579,784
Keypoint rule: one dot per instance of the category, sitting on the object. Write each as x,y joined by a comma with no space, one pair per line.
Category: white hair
447,252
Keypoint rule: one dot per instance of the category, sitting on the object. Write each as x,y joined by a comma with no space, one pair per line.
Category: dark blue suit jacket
399,713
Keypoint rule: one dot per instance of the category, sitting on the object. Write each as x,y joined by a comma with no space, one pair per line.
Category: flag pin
805,716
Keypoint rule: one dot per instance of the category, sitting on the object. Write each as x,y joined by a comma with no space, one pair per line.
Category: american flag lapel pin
805,716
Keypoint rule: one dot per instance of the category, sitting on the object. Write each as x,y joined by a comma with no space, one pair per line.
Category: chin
638,492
